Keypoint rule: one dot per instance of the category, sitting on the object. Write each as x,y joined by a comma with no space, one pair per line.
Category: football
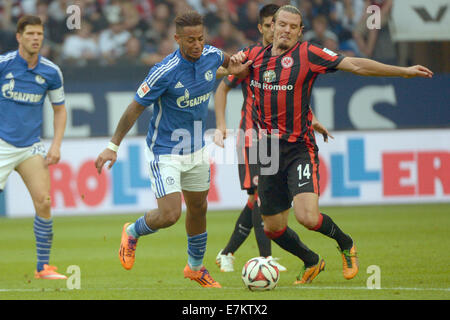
259,274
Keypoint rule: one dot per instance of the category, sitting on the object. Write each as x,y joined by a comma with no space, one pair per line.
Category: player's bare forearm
226,60
59,124
318,127
368,67
220,103
127,121
221,72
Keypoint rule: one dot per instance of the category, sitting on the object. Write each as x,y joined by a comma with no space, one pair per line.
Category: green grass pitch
409,243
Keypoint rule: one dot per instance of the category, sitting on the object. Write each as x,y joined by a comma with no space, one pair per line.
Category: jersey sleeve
56,88
2,65
207,50
221,58
153,86
233,81
322,60
4,59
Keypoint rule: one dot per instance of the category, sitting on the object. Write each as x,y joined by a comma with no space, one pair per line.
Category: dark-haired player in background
246,145
248,172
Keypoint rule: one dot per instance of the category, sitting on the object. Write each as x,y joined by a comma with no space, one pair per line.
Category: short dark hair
28,20
290,9
267,11
188,19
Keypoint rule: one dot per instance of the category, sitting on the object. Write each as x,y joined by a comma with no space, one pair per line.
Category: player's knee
274,234
198,207
307,217
43,203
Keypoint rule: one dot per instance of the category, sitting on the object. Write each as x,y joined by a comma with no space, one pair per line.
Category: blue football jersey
22,96
179,91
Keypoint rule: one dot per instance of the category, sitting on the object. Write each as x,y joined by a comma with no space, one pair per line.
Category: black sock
290,241
241,230
264,244
330,229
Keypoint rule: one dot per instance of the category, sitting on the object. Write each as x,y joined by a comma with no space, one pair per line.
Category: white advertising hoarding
357,168
418,20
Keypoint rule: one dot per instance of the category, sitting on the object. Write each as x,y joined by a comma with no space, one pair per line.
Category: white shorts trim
11,156
173,173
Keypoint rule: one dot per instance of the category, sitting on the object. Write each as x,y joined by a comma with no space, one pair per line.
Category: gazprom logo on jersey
184,101
9,93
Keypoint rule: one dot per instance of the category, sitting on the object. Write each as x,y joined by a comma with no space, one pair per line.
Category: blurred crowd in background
140,32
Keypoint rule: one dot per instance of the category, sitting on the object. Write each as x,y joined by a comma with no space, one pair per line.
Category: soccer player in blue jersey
25,79
179,87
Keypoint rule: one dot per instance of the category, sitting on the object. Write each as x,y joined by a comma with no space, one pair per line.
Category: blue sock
139,228
196,250
43,232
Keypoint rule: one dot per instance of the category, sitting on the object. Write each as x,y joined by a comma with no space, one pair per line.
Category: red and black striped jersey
282,88
248,113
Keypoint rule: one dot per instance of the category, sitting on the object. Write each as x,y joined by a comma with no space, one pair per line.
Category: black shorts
248,167
298,172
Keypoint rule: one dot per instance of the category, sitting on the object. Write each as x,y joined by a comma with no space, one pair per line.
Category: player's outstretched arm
368,67
127,120
59,126
220,104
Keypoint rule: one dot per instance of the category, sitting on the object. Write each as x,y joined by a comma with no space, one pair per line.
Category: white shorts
174,173
11,157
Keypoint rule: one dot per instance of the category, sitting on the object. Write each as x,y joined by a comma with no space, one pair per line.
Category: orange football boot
308,274
127,249
49,273
350,262
202,276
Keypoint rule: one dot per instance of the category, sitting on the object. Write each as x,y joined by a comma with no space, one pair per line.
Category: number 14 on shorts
303,172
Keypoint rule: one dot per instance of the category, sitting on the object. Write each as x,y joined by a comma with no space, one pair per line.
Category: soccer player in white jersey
25,79
179,87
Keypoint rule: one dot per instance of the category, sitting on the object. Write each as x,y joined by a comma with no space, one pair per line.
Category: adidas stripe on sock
43,232
139,228
196,250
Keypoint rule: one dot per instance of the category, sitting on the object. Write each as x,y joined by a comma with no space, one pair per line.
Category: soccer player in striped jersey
25,79
247,137
179,87
281,77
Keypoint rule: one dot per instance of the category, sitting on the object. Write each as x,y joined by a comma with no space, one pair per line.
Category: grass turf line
408,243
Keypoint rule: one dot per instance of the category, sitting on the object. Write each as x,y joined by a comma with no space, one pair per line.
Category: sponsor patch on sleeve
328,51
143,89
